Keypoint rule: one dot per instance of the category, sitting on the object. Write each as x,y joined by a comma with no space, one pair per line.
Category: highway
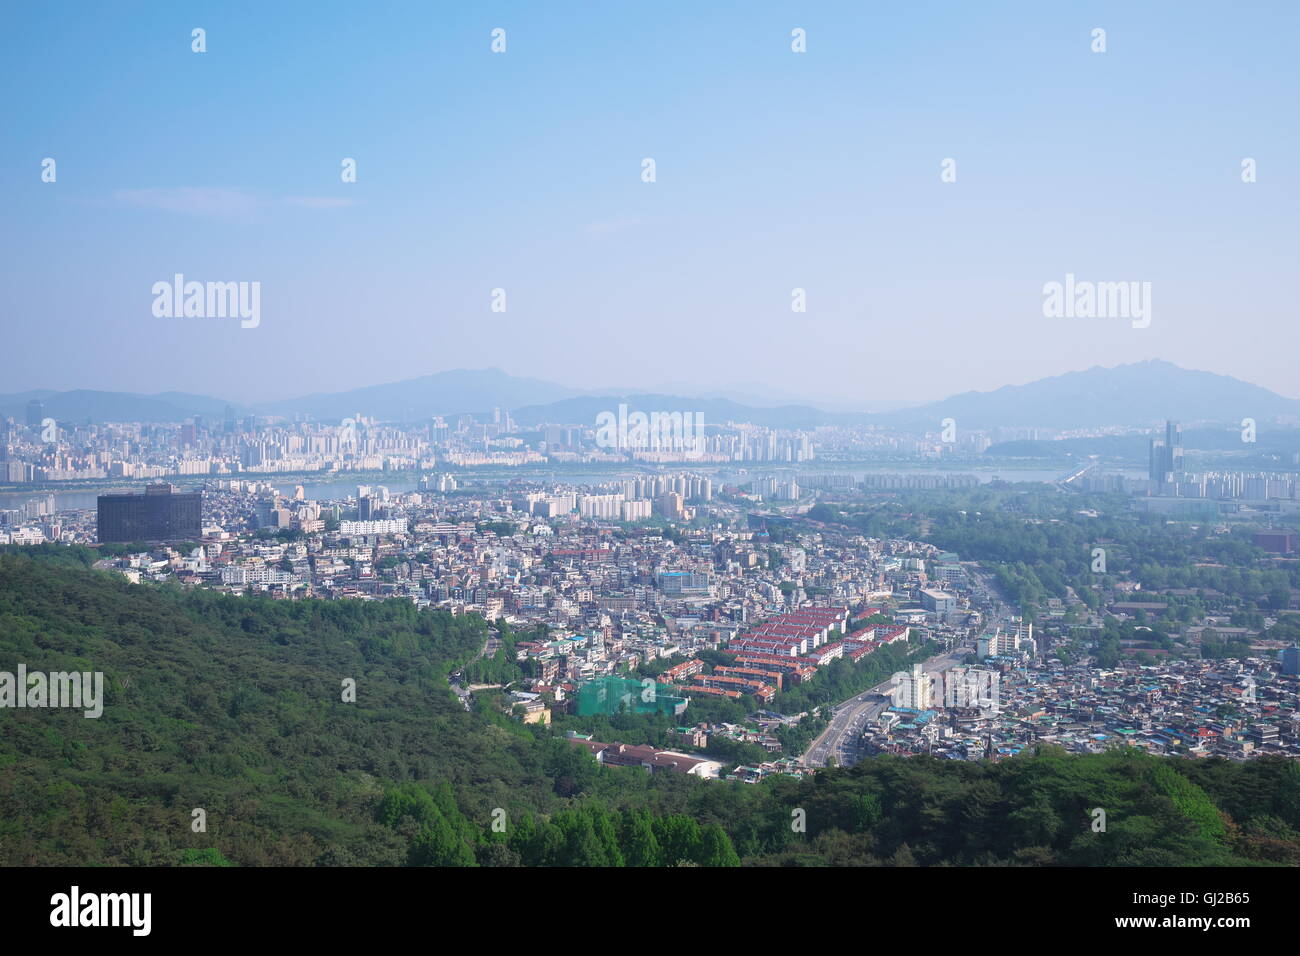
840,738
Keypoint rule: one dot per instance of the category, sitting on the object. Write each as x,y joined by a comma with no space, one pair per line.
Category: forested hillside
234,705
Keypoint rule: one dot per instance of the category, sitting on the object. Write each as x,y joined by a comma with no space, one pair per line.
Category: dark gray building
160,514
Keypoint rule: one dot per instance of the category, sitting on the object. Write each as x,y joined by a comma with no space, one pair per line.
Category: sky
523,171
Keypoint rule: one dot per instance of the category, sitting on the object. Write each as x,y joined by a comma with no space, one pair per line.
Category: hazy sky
522,171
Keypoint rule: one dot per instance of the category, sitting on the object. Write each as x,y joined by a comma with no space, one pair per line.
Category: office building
1165,460
160,514
942,605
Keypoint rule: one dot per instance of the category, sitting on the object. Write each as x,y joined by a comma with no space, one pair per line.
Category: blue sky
521,171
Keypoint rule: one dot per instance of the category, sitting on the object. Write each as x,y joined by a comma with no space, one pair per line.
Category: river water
335,487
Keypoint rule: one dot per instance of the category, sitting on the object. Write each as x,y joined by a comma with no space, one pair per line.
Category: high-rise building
670,505
1156,461
1019,637
160,514
1174,447
1166,455
35,413
912,689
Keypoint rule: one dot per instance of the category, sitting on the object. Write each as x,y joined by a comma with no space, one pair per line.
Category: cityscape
695,439
722,583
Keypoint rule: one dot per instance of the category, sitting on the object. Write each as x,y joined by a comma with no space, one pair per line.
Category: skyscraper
160,514
1165,463
1156,461
1174,448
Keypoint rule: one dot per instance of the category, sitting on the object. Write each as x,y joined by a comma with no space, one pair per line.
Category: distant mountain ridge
1134,395
79,405
714,410
444,393
1138,394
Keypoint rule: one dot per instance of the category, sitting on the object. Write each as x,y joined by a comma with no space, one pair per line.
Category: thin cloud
193,200
218,202
317,202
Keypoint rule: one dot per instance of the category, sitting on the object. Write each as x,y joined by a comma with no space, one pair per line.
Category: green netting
614,695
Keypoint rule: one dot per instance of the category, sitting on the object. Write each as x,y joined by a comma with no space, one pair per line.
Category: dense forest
238,706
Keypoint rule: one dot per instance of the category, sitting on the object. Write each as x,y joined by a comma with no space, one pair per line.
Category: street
839,740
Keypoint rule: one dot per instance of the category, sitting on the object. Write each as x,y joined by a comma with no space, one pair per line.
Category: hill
1142,394
445,393
232,705
1139,394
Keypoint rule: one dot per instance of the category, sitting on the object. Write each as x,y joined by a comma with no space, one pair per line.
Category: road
1064,481
840,738
987,596
456,678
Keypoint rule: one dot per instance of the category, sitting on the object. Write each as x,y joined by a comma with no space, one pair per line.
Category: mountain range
1136,395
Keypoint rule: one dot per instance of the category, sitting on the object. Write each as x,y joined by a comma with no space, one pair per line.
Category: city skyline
744,394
